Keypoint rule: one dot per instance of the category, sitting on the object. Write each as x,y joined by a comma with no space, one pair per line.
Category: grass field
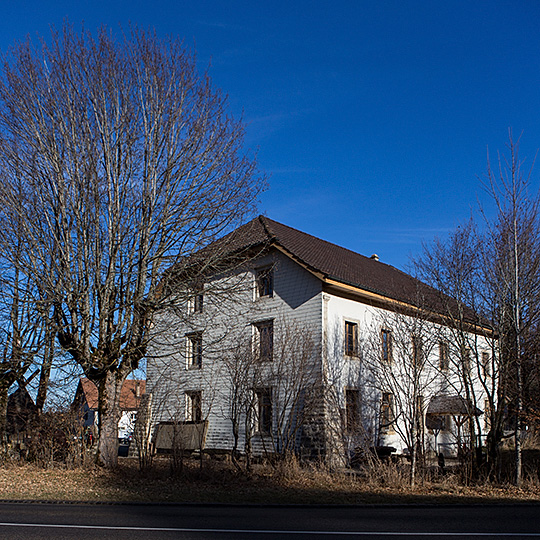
219,482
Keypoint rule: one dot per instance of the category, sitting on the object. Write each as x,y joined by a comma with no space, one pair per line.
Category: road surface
221,522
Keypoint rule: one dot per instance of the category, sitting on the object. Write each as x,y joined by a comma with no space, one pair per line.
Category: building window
264,340
444,360
485,364
194,406
195,350
352,410
387,412
386,338
351,338
264,280
418,352
263,410
197,301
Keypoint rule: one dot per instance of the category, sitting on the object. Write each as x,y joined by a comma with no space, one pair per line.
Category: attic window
264,280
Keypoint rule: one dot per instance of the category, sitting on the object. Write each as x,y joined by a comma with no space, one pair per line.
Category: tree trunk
45,373
493,453
3,413
517,435
109,415
412,475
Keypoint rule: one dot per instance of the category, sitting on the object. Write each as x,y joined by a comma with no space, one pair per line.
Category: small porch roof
453,405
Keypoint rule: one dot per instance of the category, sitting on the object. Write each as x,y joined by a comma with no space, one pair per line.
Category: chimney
375,257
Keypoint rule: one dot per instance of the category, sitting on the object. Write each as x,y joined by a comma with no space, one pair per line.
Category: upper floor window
264,340
386,340
197,301
444,359
264,282
194,406
351,338
194,350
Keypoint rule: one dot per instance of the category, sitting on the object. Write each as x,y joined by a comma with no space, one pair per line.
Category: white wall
225,322
366,372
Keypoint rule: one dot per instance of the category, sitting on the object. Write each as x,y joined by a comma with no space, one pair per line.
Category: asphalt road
149,522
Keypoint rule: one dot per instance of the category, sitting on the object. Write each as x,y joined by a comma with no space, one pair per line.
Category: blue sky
372,119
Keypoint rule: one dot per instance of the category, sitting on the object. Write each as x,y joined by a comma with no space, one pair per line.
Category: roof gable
130,396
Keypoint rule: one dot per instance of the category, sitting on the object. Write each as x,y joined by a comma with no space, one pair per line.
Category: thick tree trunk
493,453
109,416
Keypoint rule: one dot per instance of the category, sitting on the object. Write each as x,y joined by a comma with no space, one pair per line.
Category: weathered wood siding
227,319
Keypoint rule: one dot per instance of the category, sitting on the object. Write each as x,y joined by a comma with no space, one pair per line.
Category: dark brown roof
337,263
346,266
129,397
455,405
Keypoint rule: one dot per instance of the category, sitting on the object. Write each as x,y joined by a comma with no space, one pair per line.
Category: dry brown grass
219,482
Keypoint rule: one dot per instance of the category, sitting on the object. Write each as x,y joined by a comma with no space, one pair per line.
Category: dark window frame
195,350
264,411
194,406
198,302
386,344
264,340
264,282
351,338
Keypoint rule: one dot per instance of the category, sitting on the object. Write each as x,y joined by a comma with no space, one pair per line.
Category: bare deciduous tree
456,268
22,337
496,272
272,389
398,363
514,246
117,158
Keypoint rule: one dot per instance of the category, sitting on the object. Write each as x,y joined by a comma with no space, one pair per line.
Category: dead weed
219,481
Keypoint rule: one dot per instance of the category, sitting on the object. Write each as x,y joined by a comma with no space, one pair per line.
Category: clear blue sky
372,119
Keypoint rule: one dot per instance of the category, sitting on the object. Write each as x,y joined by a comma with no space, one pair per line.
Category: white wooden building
331,351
